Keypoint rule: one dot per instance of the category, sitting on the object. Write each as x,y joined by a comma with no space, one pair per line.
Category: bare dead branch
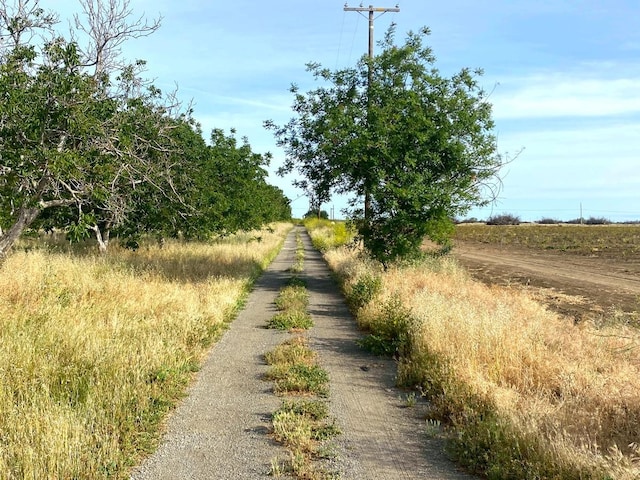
108,25
21,21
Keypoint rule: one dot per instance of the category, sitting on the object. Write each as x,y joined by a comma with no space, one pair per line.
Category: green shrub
364,290
597,221
327,234
390,331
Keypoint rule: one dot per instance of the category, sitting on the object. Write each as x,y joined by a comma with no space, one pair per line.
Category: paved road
221,429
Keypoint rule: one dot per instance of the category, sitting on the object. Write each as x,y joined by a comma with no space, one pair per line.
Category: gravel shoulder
221,430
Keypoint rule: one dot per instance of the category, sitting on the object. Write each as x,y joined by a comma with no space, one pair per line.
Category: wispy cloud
566,95
600,161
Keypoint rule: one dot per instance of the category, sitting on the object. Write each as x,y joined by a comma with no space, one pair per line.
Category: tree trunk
103,239
26,216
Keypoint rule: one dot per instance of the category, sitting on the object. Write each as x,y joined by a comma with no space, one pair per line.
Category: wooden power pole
372,11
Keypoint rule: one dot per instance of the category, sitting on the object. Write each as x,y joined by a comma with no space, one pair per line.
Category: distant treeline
509,219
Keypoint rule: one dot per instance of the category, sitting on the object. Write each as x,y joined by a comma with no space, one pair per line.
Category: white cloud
562,95
582,161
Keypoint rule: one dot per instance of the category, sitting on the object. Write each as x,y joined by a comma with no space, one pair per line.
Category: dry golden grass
95,351
532,393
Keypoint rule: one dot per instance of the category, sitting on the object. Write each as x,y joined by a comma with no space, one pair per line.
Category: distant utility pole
372,11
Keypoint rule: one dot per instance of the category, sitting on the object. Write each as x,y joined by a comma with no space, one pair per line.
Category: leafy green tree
392,130
316,213
277,206
78,127
234,192
88,146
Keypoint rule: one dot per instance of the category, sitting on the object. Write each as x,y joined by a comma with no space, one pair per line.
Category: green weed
390,330
303,379
303,427
291,320
293,297
291,352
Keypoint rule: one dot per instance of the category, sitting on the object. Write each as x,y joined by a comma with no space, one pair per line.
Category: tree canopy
415,145
89,146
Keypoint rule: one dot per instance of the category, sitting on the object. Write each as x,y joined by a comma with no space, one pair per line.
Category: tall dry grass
94,351
526,393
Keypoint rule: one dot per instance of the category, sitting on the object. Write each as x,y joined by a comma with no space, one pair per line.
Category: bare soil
581,287
222,429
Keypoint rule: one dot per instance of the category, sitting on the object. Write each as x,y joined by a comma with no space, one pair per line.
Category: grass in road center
292,301
300,425
295,371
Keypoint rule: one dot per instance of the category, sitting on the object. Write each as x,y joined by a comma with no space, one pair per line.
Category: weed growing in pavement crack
293,369
411,399
298,266
291,320
293,300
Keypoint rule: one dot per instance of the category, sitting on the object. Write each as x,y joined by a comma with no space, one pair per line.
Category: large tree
415,147
78,126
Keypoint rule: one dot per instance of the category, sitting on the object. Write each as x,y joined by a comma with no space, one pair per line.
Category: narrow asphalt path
220,431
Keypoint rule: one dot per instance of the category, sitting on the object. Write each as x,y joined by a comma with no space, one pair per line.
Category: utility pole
372,11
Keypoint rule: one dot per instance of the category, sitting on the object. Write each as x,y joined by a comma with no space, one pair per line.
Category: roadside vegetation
96,350
327,234
609,241
518,391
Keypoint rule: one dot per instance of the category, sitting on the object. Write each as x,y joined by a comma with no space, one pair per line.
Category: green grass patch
293,297
291,352
301,424
292,301
304,428
291,320
293,369
303,379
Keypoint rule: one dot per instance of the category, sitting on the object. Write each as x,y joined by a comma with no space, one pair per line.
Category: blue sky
565,76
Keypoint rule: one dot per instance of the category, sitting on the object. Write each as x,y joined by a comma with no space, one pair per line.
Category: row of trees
88,146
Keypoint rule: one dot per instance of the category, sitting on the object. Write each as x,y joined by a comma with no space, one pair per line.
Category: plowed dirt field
582,287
